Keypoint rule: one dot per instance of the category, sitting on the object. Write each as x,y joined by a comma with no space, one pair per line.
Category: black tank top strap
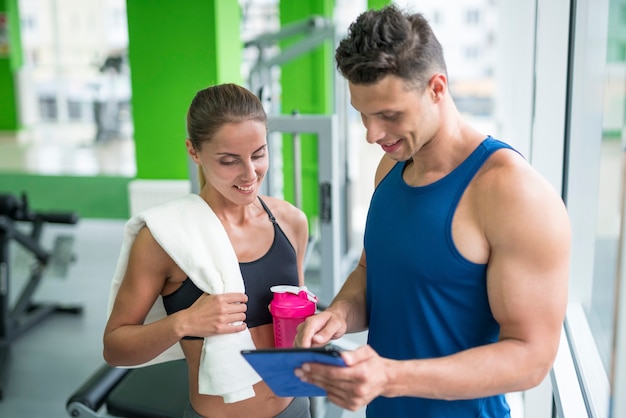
269,212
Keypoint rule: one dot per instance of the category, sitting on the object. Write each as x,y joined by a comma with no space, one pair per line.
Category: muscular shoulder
512,198
507,178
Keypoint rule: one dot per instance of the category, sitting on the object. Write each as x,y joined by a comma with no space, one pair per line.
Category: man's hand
318,330
364,378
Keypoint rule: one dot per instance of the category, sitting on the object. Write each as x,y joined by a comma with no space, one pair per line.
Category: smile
245,189
392,146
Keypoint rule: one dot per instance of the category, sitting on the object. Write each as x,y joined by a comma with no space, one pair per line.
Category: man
462,283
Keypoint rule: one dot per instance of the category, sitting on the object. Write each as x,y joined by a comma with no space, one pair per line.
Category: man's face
399,119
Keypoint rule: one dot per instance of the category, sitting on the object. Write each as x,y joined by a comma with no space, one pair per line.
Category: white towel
190,232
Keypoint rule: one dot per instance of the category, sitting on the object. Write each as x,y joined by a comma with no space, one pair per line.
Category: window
595,198
472,53
472,17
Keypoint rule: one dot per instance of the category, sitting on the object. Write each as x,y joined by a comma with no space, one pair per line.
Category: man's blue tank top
424,299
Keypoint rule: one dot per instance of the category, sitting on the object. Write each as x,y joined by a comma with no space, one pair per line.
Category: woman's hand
216,314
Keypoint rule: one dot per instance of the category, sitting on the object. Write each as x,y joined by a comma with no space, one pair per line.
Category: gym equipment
306,35
156,391
25,313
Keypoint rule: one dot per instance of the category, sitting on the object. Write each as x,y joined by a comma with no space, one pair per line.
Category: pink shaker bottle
290,306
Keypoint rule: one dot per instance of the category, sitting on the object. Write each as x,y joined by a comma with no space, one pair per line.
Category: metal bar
330,181
4,280
303,27
297,170
297,167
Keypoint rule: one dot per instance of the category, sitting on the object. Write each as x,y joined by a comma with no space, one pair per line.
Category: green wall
9,65
91,197
377,4
309,83
175,49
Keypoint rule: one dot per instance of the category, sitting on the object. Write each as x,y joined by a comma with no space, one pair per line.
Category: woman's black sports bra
277,267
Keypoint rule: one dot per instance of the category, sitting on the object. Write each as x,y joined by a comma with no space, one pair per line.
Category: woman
227,139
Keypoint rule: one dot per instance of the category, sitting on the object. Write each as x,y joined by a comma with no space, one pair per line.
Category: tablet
277,366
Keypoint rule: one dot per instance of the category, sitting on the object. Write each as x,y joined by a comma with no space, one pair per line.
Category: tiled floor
48,362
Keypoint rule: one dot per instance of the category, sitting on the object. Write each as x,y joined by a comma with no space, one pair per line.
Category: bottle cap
296,290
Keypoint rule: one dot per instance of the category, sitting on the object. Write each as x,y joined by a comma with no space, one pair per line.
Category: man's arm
345,314
528,231
527,228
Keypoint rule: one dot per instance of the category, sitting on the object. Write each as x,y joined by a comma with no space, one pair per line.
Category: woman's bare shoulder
284,210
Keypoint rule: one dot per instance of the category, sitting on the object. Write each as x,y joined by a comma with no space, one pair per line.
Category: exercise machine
15,217
306,35
156,391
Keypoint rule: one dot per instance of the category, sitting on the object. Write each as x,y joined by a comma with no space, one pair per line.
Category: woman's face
235,160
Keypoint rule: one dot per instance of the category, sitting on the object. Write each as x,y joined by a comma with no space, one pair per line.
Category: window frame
556,123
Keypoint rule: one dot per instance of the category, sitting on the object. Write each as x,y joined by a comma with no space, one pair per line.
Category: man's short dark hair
390,42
